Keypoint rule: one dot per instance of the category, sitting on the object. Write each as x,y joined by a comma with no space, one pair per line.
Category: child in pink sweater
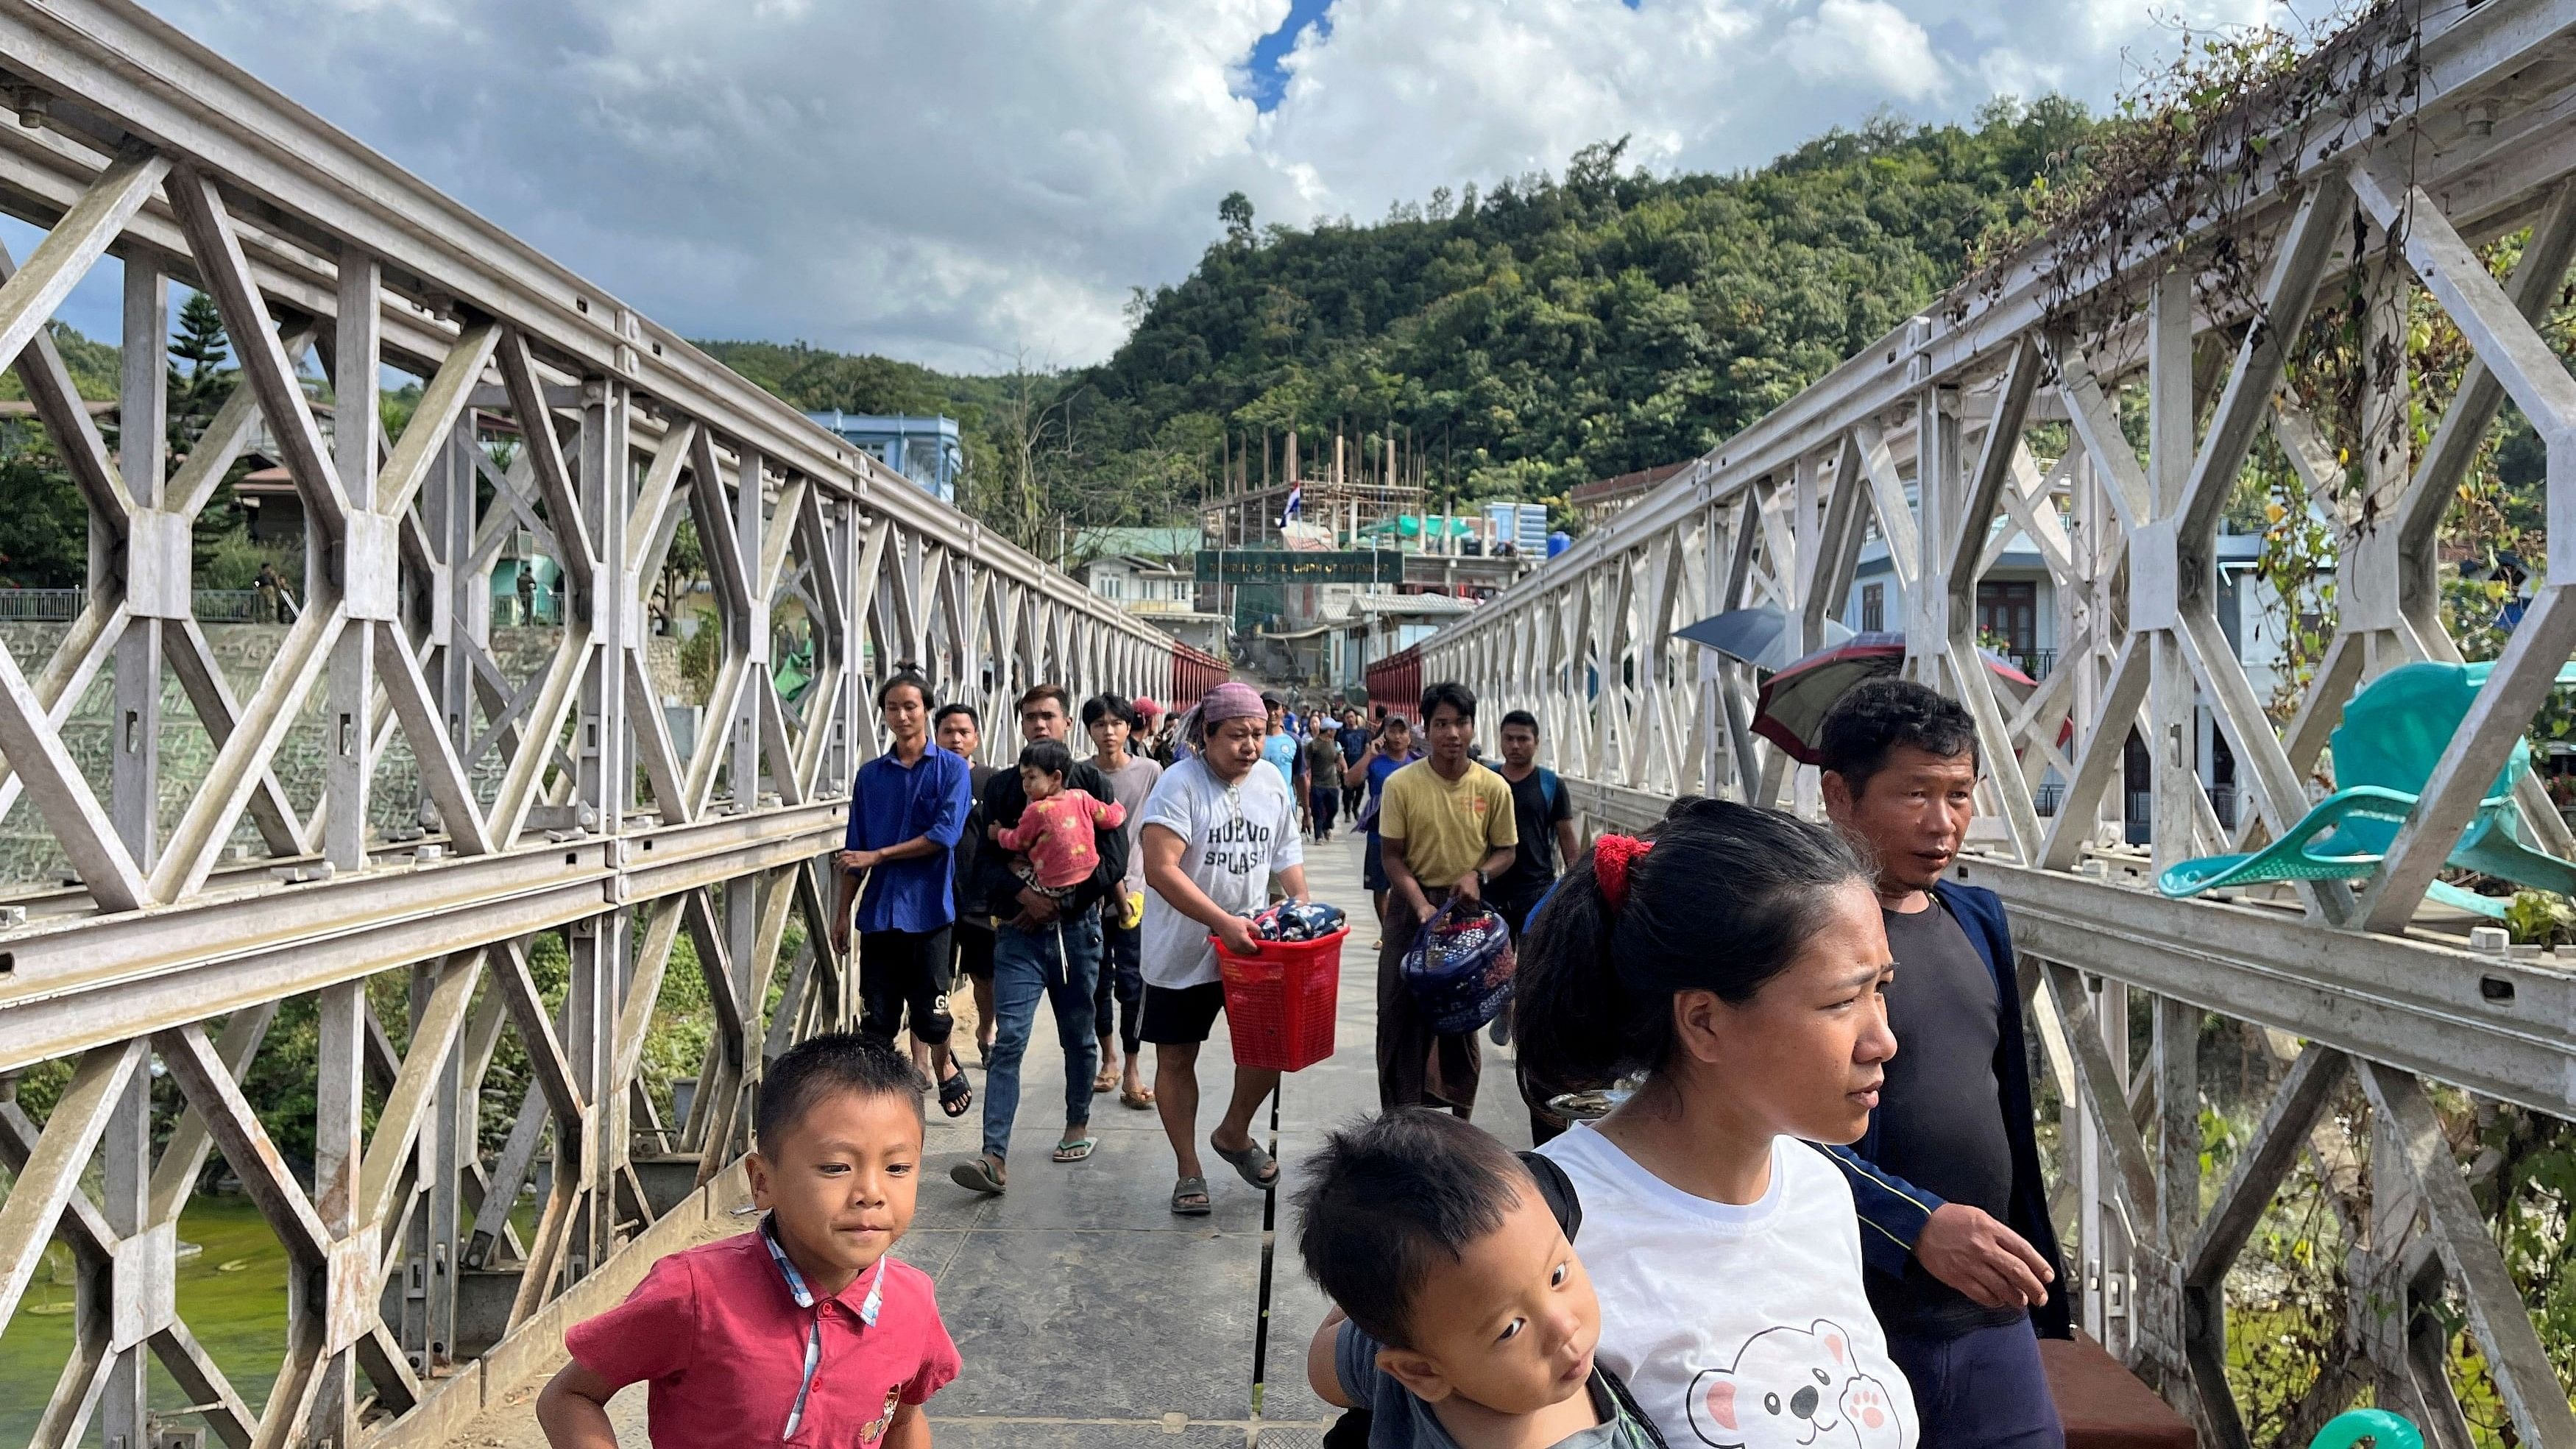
1055,832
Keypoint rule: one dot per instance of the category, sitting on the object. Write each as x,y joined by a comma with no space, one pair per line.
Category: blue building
925,450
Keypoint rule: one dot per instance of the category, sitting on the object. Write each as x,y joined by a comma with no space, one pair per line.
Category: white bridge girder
1995,419
558,803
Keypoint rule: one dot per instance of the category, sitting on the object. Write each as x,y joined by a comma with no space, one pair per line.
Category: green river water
233,1296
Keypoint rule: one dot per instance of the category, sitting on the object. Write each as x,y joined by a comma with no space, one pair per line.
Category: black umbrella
1764,636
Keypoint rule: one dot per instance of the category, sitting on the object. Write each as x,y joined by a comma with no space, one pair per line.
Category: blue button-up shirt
892,802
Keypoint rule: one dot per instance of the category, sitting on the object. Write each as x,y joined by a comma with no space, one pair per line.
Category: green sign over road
1293,566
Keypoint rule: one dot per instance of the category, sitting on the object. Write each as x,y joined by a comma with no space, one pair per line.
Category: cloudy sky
961,181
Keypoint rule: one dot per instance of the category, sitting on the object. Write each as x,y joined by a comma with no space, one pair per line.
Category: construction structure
1341,490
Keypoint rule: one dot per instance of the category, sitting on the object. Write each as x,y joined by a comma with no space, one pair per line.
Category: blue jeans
1982,1389
1062,963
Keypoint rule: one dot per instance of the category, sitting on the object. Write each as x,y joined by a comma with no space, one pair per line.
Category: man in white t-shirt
1217,828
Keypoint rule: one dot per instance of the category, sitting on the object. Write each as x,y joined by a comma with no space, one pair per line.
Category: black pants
1417,1067
1545,1127
1118,1001
899,972
974,950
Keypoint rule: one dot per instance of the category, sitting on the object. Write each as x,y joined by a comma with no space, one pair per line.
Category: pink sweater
1055,834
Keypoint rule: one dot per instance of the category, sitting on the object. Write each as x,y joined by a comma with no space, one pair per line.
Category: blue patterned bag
1460,966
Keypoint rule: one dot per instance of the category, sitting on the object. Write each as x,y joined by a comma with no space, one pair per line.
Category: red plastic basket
1280,1004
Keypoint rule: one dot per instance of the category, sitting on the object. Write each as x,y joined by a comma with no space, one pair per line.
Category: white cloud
1867,43
962,181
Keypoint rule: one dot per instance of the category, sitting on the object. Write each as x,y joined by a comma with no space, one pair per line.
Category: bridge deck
1088,1315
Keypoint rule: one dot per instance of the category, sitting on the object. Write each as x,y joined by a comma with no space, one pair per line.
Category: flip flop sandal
978,1174
1142,1099
1252,1164
1076,1150
956,1094
1106,1080
1189,1188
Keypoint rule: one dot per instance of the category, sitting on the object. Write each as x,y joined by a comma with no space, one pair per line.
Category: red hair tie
1611,857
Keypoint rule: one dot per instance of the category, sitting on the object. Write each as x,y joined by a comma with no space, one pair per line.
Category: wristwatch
1482,880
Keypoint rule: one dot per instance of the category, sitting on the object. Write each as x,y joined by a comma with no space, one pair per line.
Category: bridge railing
2093,402
429,854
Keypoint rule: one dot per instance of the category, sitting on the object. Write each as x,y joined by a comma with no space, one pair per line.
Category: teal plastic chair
2383,1429
2392,735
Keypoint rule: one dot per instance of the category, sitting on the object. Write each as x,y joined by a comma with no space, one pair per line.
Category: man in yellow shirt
1447,828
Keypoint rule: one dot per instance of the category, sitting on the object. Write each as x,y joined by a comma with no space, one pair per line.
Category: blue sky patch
1264,81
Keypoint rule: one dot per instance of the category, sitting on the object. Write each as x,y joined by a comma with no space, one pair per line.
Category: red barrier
1395,683
1194,673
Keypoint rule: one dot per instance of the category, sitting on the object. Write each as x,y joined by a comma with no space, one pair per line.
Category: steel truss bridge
1997,420
555,803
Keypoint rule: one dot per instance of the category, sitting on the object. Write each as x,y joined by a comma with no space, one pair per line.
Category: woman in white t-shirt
1738,962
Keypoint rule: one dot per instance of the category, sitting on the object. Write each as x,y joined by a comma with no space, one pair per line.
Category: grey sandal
1187,1188
1252,1164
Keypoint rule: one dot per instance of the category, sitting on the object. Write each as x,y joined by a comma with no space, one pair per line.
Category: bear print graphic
1794,1388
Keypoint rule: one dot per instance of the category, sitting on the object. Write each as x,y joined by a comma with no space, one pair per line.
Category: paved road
1089,1316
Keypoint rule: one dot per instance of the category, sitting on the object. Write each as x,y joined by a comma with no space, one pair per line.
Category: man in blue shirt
1280,748
907,809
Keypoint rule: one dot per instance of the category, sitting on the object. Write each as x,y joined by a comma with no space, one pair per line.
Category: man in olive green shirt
1446,827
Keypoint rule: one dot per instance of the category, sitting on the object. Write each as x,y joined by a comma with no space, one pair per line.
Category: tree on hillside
682,565
1236,212
197,393
1034,485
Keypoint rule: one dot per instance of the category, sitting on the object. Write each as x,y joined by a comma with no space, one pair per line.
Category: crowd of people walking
1775,1069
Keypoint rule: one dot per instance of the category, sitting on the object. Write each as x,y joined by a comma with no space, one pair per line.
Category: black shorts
1373,867
974,950
1181,1015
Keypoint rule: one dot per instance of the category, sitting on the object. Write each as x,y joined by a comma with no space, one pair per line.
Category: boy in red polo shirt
803,1331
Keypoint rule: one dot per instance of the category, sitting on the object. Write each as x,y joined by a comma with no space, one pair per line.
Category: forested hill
1549,331
1522,339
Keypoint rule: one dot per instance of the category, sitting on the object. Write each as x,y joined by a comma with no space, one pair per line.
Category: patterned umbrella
1790,710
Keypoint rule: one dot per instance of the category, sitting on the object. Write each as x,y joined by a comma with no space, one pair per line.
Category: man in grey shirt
1962,1258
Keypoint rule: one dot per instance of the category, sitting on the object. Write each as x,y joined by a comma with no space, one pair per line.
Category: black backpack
1351,1430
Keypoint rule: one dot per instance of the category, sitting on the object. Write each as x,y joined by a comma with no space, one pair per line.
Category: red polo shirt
719,1333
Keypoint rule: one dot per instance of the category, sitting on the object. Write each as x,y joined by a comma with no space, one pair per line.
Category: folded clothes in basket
1296,921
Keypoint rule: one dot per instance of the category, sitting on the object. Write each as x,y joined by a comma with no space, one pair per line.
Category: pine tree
203,345
201,342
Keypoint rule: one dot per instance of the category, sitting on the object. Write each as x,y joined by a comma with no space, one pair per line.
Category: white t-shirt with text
1744,1327
1233,839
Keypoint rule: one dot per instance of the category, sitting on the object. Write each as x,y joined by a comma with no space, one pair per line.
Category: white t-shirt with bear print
1741,1327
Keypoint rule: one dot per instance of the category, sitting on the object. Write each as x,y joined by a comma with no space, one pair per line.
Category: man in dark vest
1963,1262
